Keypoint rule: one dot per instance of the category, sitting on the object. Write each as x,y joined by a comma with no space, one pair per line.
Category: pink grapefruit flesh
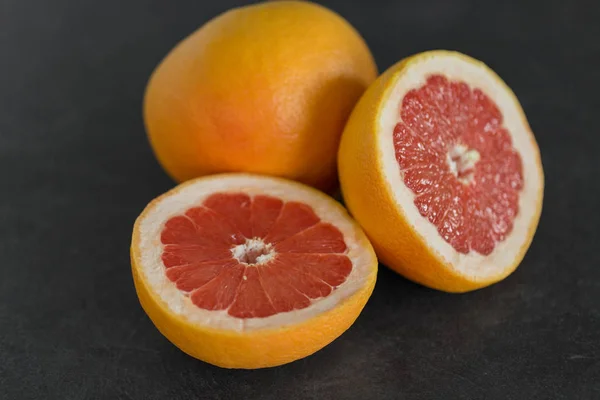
254,256
457,157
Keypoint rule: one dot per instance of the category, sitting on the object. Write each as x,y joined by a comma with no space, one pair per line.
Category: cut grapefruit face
440,167
247,271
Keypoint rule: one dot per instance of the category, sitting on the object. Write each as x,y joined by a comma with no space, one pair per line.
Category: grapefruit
266,88
440,167
246,271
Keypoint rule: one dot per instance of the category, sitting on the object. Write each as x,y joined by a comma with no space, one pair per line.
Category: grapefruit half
440,167
246,271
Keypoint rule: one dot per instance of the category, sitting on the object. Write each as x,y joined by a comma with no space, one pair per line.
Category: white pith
252,246
462,160
150,247
476,76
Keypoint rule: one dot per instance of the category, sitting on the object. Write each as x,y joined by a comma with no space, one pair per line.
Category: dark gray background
75,171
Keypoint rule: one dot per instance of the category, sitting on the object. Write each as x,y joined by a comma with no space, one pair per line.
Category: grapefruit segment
192,276
212,228
265,211
294,217
235,208
319,238
306,284
251,300
183,254
331,269
275,263
179,230
278,286
440,167
219,292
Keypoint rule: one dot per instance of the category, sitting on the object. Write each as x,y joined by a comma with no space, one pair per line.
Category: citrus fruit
266,88
440,167
246,271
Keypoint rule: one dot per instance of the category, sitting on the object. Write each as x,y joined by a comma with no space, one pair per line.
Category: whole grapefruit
265,88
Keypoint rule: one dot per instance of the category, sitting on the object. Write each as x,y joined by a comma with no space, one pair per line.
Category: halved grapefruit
440,167
246,271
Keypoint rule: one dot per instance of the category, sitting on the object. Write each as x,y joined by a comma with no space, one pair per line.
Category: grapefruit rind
226,341
377,197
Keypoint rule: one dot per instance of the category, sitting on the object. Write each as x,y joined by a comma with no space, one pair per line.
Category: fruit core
253,251
253,256
461,161
457,158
